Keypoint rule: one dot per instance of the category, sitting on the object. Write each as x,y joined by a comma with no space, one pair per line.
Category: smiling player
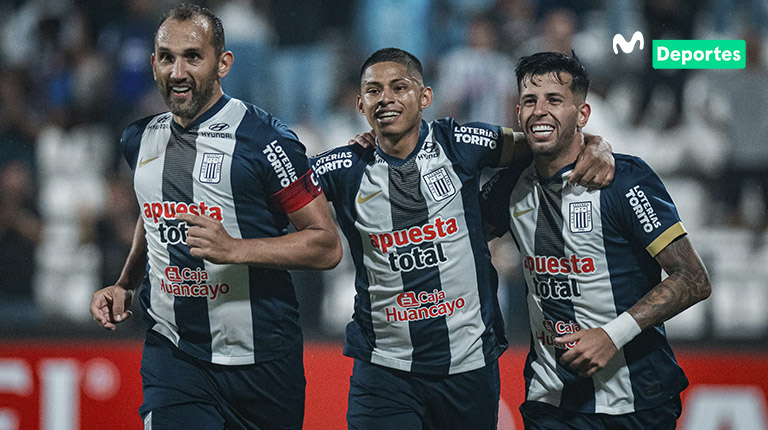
218,181
599,357
427,329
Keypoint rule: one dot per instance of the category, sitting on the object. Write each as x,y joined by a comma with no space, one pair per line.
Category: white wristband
622,329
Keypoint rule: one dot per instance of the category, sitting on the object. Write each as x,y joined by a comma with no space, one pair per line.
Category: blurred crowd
74,74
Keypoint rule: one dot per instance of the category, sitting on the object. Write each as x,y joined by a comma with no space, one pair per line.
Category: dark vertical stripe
274,308
653,369
578,393
178,173
430,339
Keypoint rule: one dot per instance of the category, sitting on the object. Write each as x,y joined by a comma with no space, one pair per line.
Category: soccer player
592,261
217,180
427,328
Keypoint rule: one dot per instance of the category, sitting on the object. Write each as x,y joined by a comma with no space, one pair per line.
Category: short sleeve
494,201
289,179
644,207
476,144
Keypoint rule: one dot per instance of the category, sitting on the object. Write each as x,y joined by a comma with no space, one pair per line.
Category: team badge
581,217
210,169
439,184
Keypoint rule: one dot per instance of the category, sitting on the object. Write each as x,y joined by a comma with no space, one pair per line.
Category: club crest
210,168
581,217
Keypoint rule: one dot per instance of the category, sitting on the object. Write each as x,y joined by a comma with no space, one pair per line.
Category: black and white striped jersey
588,256
239,165
425,287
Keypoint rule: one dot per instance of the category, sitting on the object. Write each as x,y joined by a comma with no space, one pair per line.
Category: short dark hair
397,55
187,11
543,63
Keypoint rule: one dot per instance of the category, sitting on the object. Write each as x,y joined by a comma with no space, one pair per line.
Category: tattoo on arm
686,285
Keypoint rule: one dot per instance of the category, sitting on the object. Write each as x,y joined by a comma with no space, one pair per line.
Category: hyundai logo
220,126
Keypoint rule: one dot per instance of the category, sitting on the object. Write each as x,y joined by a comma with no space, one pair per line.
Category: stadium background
74,73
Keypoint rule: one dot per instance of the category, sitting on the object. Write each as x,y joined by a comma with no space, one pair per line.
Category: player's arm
687,283
109,305
314,245
594,167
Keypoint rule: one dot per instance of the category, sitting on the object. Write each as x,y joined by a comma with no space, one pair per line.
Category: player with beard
218,180
599,357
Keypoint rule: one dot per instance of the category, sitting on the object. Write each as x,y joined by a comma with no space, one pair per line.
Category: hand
208,239
595,164
591,353
109,306
366,140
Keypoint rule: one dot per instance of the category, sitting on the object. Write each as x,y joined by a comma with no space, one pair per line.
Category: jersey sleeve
333,168
477,143
644,207
494,201
130,142
289,179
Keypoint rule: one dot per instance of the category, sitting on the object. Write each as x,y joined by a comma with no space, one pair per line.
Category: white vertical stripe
524,203
229,314
374,216
596,306
458,276
148,179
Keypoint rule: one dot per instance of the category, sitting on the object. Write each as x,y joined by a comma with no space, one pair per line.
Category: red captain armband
300,192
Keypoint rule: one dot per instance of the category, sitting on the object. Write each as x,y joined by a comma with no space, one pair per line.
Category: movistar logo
627,47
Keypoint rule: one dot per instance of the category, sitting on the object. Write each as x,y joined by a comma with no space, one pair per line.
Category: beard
201,95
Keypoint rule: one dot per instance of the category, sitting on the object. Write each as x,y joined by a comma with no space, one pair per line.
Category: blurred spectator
450,20
250,37
72,157
753,13
403,24
20,232
746,165
112,229
559,27
17,121
579,9
305,60
665,19
516,23
512,288
126,43
475,80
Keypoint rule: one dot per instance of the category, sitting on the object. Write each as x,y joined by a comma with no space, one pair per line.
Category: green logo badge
699,54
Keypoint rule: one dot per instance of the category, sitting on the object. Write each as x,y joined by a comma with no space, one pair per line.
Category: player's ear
225,63
426,97
584,111
152,63
360,105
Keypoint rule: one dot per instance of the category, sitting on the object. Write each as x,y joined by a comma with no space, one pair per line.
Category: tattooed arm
687,283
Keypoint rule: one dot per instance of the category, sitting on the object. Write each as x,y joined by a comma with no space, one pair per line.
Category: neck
549,164
400,146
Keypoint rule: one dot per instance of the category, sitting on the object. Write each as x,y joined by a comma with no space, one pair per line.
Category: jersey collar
213,110
557,177
423,133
